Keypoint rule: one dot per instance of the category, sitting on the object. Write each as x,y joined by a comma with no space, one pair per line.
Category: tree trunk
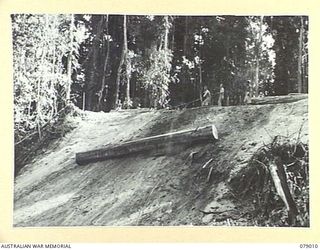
54,104
185,35
172,47
258,51
160,144
103,82
127,60
90,91
117,88
200,78
166,32
300,56
83,100
200,71
40,80
69,66
166,37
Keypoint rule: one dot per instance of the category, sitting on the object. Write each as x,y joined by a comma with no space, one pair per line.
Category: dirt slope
147,189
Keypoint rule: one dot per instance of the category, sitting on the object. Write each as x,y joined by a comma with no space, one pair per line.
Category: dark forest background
107,62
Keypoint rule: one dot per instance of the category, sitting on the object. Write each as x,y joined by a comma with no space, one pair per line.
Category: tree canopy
106,62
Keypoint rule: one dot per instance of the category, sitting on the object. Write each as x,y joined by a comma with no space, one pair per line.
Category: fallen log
279,99
163,142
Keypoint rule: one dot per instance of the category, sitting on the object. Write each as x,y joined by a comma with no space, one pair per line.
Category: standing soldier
206,97
247,98
221,95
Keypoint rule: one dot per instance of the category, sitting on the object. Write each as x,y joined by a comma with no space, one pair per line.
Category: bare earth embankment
149,189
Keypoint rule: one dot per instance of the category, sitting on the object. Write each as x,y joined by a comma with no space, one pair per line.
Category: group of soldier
207,97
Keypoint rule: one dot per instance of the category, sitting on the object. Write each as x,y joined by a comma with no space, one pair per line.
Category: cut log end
215,132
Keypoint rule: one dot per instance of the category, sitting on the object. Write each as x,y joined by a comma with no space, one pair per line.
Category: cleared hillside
148,189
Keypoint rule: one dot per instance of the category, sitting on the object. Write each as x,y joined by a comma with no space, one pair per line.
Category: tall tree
104,89
286,47
200,43
304,57
128,102
69,66
300,52
90,88
258,55
121,62
41,44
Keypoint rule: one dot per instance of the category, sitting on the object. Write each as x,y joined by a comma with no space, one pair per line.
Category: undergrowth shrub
254,183
27,147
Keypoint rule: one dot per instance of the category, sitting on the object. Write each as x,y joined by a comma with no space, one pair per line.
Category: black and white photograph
160,120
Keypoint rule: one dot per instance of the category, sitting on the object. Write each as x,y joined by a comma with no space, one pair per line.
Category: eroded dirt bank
147,189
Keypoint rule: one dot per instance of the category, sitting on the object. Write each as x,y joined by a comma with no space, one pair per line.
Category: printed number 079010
307,246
